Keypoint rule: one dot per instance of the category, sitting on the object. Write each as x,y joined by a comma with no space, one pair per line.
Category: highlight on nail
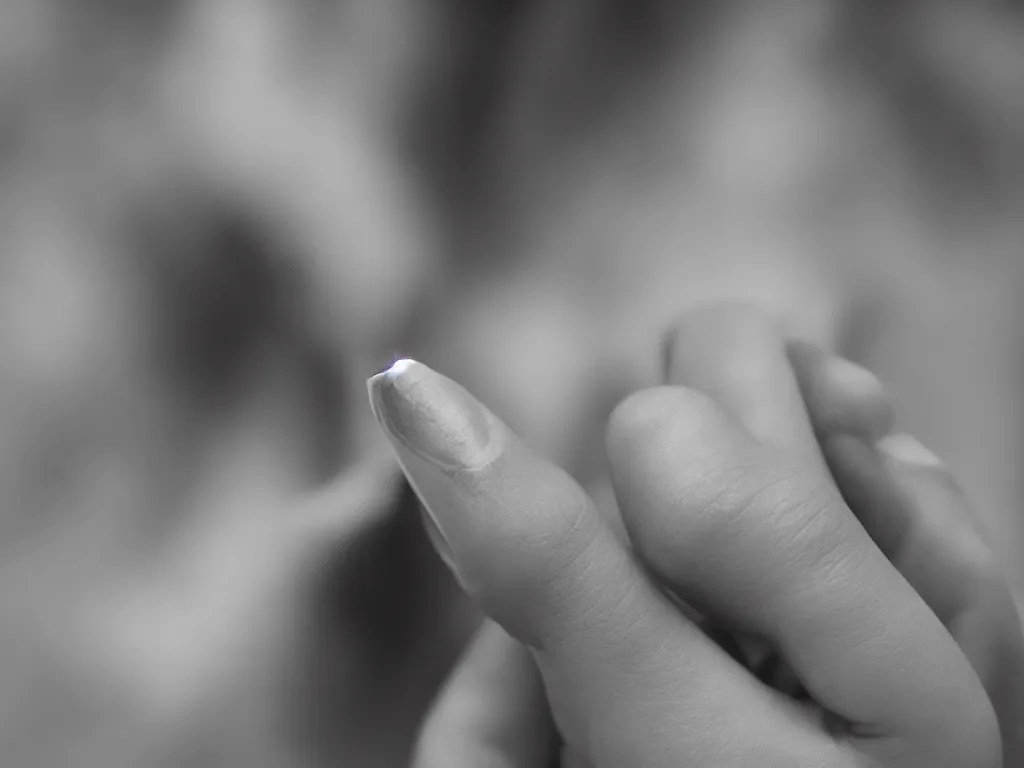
432,416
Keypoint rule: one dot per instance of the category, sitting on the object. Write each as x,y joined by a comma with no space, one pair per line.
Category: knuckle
552,539
801,519
798,510
741,506
813,523
560,553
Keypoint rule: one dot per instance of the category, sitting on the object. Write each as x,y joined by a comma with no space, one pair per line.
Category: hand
729,504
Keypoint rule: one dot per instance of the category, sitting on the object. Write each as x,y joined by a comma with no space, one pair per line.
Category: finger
626,674
731,352
946,558
734,353
492,712
910,503
778,553
904,496
840,396
850,412
911,506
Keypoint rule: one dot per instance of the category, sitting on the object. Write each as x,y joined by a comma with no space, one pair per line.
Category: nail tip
402,365
384,385
854,377
429,414
908,450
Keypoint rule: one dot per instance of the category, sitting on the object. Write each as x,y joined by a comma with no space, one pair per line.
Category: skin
759,486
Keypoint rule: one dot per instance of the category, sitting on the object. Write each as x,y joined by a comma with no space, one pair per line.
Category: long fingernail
435,428
907,450
430,415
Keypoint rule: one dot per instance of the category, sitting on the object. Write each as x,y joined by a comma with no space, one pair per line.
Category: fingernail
430,415
850,398
852,377
435,428
857,380
904,448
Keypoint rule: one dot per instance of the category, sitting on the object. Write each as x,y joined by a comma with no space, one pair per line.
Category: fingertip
855,380
842,397
641,417
735,353
668,431
711,339
855,400
905,449
721,324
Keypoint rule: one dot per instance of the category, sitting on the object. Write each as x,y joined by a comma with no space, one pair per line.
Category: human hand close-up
219,218
796,585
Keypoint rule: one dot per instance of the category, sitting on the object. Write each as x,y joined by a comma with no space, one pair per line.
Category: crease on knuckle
819,529
805,519
572,569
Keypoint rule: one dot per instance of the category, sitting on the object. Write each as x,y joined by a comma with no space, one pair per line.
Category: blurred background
218,217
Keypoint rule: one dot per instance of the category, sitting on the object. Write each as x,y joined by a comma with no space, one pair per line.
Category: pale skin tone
760,485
